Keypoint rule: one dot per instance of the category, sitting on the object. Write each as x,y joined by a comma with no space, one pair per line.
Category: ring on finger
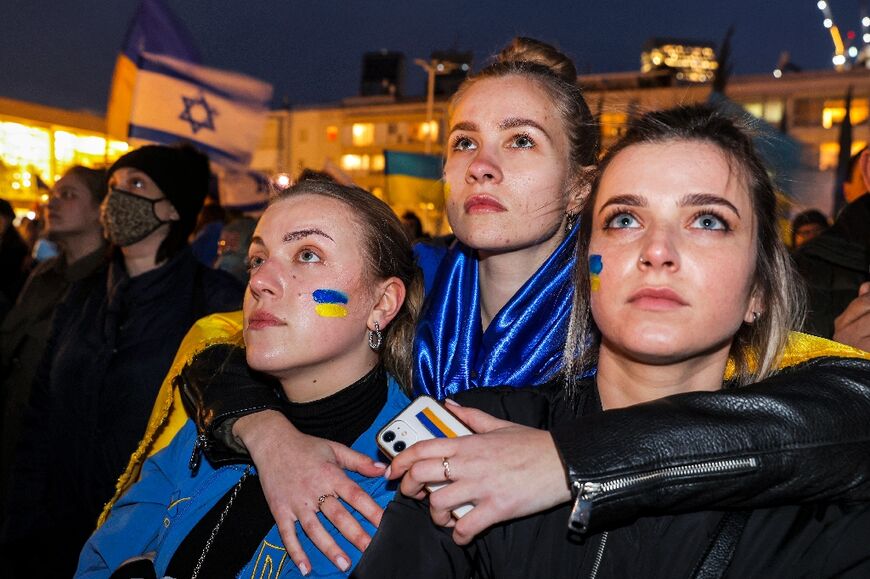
446,464
322,499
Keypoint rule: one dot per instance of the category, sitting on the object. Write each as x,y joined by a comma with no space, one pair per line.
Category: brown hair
94,179
757,347
555,74
388,254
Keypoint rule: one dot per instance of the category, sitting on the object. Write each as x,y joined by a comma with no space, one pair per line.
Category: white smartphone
424,419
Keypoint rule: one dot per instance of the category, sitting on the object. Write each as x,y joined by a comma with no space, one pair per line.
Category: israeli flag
221,112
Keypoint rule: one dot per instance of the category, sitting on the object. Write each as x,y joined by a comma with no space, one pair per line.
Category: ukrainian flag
153,29
414,180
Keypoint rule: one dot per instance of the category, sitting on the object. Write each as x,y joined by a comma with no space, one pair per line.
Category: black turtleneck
341,417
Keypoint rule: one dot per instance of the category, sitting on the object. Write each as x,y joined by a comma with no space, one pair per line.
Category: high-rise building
687,60
383,73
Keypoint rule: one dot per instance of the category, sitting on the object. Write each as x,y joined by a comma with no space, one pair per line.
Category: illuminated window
754,109
332,134
829,153
613,124
351,162
425,131
835,110
377,163
363,134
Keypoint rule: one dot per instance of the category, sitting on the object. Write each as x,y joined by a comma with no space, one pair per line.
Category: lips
483,204
260,320
657,299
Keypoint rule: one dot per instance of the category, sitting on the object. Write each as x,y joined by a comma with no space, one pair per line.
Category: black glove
218,387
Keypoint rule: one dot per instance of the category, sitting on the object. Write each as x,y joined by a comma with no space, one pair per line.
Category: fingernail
343,564
380,465
451,402
303,568
388,471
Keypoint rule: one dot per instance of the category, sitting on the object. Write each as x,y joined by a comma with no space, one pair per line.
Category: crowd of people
621,332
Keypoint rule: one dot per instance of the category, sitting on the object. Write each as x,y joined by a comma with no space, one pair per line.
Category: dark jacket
23,335
835,264
112,343
13,263
801,451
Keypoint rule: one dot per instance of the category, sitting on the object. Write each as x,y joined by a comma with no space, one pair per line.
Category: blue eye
254,262
462,143
522,142
622,220
710,221
308,256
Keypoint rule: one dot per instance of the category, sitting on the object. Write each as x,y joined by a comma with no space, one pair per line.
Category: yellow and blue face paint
330,303
595,267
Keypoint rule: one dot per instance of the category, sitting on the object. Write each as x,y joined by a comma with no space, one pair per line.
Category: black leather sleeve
218,387
802,435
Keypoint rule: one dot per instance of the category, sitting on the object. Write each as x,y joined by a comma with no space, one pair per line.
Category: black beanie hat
181,172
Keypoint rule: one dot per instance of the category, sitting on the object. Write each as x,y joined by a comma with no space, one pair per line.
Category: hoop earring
755,316
570,220
376,338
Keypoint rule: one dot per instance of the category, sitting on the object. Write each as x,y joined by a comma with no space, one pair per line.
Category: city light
777,73
866,38
828,23
839,60
865,21
822,4
853,51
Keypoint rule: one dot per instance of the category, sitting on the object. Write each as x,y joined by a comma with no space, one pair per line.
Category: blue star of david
198,113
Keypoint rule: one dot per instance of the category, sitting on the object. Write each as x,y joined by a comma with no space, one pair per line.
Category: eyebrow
690,200
294,235
509,123
302,233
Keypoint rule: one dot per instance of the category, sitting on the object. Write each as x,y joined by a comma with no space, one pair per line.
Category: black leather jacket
800,436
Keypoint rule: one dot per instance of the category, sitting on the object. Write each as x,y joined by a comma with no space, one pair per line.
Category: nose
659,251
483,168
265,281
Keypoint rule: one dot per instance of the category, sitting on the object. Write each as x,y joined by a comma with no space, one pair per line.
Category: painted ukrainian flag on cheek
330,303
595,267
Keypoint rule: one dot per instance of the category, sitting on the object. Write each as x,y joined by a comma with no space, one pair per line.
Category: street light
432,68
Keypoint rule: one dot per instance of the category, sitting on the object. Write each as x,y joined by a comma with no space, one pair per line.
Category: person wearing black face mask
112,342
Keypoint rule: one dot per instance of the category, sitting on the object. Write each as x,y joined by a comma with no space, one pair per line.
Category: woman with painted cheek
688,280
328,315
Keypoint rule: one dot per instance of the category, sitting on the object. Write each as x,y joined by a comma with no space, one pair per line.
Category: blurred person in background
72,223
807,225
112,341
206,234
232,249
837,262
13,258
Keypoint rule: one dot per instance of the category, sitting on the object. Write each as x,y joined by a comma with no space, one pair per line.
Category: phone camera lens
399,446
389,436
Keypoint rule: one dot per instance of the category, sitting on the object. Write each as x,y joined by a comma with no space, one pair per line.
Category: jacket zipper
588,491
599,555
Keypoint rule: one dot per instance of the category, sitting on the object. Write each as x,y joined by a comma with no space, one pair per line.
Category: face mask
128,218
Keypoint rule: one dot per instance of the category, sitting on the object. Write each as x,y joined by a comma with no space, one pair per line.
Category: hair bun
523,49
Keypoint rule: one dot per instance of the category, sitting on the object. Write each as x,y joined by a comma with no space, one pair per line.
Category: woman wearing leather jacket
687,275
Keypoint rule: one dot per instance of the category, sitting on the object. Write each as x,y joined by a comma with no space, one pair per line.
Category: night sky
62,53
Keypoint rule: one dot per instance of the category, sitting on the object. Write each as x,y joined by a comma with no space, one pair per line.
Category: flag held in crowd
161,93
413,178
221,112
153,29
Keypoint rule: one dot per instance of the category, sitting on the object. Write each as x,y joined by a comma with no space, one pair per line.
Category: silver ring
446,464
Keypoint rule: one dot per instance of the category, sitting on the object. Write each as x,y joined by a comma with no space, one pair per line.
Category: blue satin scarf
522,346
